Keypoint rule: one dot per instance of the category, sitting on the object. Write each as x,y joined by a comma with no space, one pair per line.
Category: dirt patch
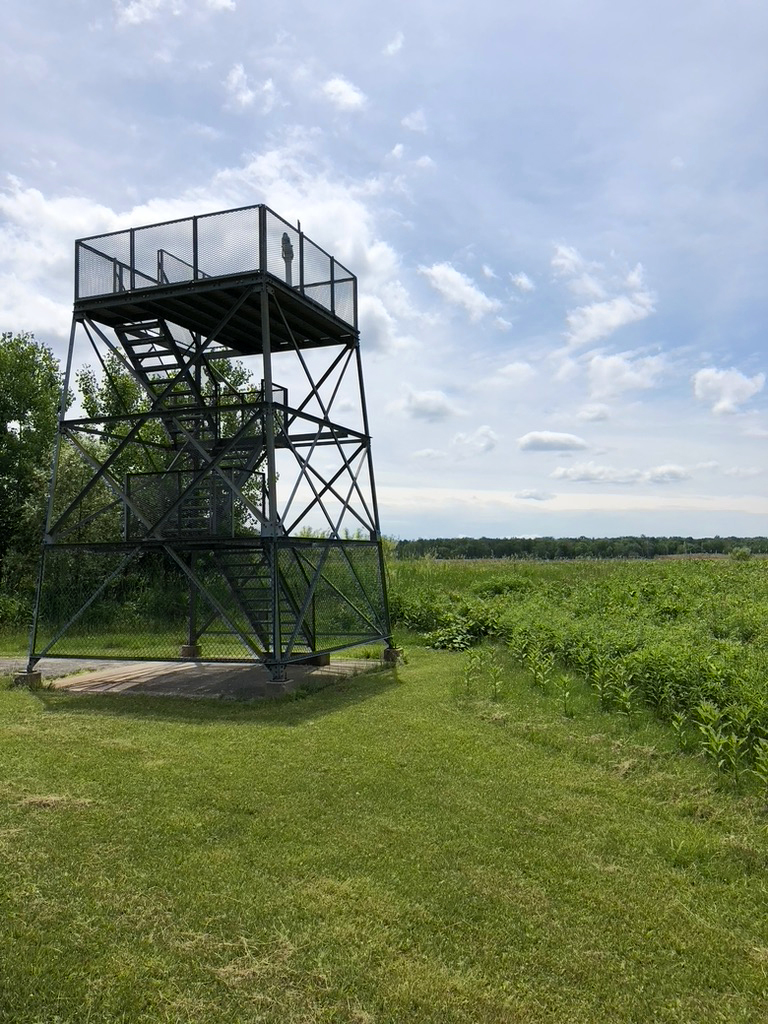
54,802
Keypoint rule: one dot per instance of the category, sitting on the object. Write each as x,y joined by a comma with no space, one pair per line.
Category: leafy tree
30,385
114,392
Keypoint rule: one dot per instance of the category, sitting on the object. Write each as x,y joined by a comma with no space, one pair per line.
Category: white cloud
604,315
242,93
459,290
501,324
666,474
415,121
743,472
516,373
590,323
397,151
550,441
570,264
378,326
478,442
394,46
430,454
426,405
566,368
610,375
522,282
567,261
636,278
22,308
488,271
591,472
425,161
269,96
203,131
725,389
343,94
136,12
593,413
236,83
534,495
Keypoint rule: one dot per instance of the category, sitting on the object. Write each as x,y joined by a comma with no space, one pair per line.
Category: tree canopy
30,387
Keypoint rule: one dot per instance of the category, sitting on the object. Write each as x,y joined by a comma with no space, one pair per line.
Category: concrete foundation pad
186,679
34,680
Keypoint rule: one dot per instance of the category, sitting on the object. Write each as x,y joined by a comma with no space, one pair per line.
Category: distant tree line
557,548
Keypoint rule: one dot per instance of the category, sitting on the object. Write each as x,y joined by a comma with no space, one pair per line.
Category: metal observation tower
194,513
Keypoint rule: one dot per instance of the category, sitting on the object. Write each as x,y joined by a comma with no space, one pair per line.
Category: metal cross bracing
191,513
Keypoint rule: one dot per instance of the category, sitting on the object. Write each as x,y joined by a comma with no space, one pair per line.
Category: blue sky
557,214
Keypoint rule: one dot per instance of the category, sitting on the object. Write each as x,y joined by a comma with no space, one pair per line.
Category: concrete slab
185,679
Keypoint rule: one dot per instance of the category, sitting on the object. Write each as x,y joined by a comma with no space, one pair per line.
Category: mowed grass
379,851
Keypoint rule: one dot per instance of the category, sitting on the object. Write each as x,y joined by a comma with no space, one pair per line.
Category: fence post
194,249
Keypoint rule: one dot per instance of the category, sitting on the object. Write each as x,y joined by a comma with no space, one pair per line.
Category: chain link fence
246,601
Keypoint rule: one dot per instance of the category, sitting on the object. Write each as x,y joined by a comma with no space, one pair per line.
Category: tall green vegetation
30,385
687,640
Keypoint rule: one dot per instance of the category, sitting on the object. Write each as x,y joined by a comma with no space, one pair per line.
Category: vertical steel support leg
272,528
374,501
49,512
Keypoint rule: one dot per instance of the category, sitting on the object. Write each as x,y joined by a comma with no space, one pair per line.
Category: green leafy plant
679,723
452,636
625,696
760,767
563,686
474,668
495,676
540,663
602,680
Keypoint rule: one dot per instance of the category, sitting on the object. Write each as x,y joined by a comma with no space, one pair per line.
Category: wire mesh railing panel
102,265
344,299
163,253
228,242
317,274
179,505
105,604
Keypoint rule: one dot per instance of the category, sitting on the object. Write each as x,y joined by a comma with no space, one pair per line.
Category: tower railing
252,239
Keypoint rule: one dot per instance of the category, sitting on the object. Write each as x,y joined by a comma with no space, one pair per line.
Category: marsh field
555,810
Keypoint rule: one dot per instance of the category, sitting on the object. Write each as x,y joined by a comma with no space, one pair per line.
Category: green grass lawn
379,851
14,643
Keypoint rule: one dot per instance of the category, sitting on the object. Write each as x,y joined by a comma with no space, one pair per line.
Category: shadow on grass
292,710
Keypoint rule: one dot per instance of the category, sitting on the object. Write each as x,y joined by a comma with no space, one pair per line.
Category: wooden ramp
195,679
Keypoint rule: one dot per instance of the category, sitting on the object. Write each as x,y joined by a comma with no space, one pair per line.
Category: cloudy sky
557,213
